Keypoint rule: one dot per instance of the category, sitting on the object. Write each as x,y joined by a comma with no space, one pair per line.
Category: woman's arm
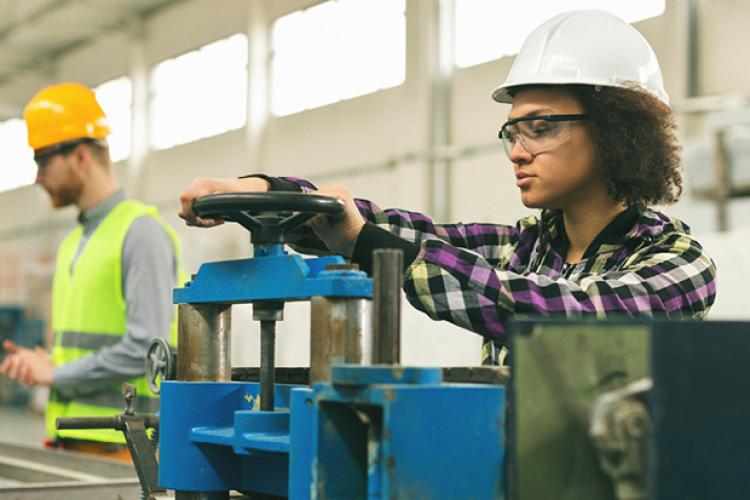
671,277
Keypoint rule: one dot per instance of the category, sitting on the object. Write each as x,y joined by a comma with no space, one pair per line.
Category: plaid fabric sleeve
670,277
492,241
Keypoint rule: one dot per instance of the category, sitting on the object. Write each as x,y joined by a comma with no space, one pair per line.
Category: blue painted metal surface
212,440
407,440
272,275
304,418
362,436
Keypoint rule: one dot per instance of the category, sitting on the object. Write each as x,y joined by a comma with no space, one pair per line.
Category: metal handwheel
160,364
270,217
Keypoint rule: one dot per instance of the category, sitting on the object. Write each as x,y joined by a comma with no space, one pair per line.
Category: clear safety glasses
43,157
537,134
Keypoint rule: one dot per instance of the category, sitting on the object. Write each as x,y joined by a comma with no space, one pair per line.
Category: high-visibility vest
89,313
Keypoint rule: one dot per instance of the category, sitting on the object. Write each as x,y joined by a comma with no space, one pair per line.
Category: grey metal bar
35,473
68,459
388,277
268,313
267,364
340,332
116,422
204,343
722,181
693,44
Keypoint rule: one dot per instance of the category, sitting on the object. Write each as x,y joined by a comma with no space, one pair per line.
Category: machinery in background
629,411
17,326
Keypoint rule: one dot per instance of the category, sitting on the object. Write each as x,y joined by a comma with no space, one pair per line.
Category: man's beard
65,195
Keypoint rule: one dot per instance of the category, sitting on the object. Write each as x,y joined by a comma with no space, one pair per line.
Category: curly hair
635,139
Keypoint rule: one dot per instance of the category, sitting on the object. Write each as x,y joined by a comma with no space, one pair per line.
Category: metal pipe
115,422
268,313
721,192
204,343
388,276
267,364
339,333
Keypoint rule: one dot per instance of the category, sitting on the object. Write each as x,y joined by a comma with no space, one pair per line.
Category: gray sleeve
148,275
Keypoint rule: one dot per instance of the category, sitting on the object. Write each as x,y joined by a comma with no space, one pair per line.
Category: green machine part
558,371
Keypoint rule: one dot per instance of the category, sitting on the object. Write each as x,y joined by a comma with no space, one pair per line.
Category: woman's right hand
204,187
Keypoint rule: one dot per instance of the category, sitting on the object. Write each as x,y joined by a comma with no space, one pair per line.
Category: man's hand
30,367
204,187
340,233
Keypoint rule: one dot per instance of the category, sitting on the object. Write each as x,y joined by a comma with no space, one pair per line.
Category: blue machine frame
374,432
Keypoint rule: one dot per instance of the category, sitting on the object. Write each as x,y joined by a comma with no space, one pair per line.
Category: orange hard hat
62,113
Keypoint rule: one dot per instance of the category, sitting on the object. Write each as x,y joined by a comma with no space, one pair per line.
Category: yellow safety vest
89,312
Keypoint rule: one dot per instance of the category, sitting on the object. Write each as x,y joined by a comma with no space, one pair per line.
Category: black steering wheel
269,216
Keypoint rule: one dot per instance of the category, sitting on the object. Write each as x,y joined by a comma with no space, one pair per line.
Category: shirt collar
95,214
626,225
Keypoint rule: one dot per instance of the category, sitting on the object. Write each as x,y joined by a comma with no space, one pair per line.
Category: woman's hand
204,187
339,233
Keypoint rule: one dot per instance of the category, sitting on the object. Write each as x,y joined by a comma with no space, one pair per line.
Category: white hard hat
591,47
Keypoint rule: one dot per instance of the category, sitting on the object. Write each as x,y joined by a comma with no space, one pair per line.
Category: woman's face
560,171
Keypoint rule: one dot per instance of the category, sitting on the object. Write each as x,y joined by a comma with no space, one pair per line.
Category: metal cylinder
268,313
339,333
204,343
388,277
267,364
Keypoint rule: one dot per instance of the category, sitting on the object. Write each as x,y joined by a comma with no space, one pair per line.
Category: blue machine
382,431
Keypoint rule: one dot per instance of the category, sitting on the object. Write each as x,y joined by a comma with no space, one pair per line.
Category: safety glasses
537,134
44,156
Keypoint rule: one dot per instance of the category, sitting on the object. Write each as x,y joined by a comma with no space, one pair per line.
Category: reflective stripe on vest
91,341
89,312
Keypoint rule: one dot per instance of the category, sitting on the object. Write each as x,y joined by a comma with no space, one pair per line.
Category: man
114,275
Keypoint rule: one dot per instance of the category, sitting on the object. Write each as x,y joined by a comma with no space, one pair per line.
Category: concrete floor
21,426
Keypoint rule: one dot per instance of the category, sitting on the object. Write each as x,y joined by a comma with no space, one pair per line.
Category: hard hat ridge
586,47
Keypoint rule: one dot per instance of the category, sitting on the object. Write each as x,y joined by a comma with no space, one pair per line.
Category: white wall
367,130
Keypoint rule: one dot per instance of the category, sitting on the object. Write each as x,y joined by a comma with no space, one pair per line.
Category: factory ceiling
35,33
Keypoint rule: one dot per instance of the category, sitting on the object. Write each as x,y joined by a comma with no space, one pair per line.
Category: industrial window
116,99
199,94
18,158
336,50
488,29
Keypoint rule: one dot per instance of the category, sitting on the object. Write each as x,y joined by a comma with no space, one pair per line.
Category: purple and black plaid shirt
479,276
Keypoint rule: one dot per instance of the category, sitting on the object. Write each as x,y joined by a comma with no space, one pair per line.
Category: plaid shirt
479,276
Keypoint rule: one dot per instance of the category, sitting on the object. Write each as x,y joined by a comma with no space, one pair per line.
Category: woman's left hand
339,233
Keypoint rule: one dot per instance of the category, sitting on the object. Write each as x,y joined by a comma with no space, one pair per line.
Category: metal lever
134,428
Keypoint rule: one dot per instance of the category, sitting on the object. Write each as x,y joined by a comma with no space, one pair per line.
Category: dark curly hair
635,139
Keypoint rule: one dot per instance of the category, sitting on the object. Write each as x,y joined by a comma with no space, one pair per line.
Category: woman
592,140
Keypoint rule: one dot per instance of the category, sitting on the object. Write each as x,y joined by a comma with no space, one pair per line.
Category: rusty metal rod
267,364
388,276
